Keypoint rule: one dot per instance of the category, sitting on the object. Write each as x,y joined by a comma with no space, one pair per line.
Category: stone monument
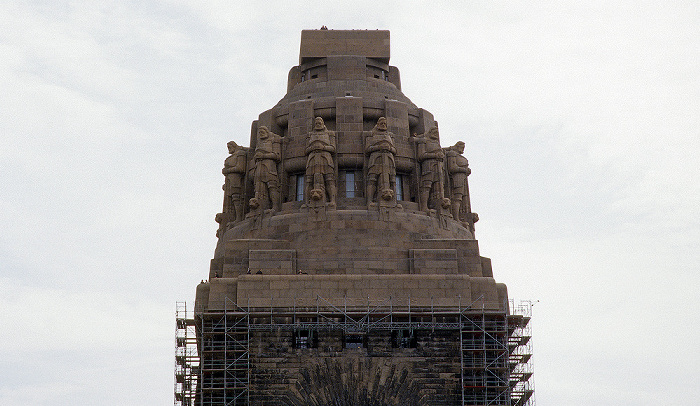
352,276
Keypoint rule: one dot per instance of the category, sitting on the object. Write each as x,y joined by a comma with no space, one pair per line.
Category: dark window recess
399,187
403,339
296,187
314,76
355,341
300,187
351,183
402,187
305,339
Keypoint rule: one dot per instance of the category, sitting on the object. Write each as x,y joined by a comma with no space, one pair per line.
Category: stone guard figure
267,155
234,171
320,166
381,172
458,168
430,156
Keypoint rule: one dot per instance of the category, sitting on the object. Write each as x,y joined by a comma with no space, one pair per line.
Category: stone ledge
355,290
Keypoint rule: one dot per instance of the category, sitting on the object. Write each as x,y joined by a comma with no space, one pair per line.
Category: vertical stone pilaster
265,118
396,113
348,127
299,123
426,121
301,117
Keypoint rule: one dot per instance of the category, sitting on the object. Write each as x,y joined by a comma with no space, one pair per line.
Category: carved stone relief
430,156
266,180
381,165
320,165
234,171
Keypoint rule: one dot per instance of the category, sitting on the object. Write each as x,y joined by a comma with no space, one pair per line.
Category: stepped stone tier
346,270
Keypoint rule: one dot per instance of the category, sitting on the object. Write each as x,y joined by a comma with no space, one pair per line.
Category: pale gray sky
582,127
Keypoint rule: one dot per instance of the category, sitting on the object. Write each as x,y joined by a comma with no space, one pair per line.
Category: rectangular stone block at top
274,262
322,43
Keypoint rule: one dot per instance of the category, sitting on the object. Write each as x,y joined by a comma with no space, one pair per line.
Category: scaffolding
495,346
224,358
520,353
186,356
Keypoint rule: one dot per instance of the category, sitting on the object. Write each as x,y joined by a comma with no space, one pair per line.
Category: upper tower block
322,43
327,55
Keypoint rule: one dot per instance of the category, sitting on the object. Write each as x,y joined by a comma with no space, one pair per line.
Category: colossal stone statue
320,166
234,171
267,155
458,168
381,166
430,156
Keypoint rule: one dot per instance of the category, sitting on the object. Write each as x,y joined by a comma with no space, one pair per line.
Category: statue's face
318,124
231,147
460,147
381,124
262,133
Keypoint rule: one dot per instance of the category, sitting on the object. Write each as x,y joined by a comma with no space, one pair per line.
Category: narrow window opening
349,184
399,187
300,188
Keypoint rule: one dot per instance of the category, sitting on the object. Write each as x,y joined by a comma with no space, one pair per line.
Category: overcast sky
581,123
